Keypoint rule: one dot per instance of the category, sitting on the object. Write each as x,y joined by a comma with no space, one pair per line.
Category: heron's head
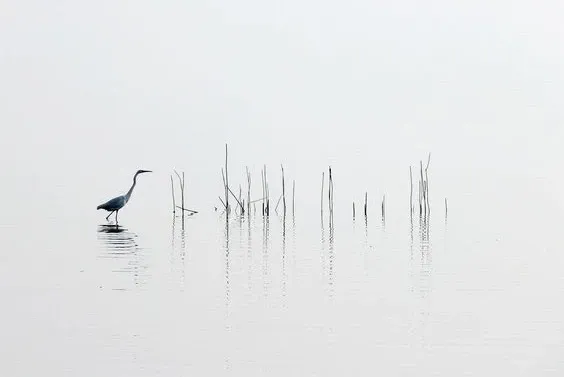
143,171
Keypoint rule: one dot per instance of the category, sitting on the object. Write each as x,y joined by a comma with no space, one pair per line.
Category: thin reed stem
181,184
293,195
226,181
248,190
186,209
283,191
173,201
428,205
421,189
383,207
237,200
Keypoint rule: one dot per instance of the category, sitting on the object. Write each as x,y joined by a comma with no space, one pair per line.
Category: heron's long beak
146,171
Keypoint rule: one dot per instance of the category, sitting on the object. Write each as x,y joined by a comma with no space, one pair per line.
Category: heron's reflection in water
124,255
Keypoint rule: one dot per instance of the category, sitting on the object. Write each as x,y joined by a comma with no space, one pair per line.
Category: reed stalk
181,184
293,195
263,192
421,188
248,190
267,192
428,204
173,200
277,203
226,181
330,190
237,200
283,191
225,187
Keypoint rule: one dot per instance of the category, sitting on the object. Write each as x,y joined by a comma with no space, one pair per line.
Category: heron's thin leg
107,217
116,216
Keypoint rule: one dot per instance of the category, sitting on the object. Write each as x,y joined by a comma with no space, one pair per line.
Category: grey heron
115,204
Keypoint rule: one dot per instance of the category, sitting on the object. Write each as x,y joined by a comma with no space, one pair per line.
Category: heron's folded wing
113,204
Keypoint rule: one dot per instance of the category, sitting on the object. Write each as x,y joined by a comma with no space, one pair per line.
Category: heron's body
114,204
117,203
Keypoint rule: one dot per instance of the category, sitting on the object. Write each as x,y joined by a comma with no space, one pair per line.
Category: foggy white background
92,91
373,85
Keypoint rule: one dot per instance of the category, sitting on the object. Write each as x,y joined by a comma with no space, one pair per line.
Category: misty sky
371,83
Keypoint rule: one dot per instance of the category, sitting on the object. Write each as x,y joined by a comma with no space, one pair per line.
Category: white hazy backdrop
92,91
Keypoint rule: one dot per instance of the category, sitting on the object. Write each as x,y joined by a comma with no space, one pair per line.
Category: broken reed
241,205
181,181
226,183
423,192
237,200
265,194
225,177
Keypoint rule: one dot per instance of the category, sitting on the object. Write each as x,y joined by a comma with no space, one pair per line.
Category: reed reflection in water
421,273
123,253
178,254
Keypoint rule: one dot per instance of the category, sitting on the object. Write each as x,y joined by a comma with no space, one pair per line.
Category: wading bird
115,204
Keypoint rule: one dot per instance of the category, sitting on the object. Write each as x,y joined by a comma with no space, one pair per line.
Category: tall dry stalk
226,181
173,200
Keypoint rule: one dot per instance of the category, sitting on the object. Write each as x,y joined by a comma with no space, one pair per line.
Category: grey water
91,94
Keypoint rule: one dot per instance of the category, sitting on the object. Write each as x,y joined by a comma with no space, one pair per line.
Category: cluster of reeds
243,206
181,207
228,191
382,207
424,204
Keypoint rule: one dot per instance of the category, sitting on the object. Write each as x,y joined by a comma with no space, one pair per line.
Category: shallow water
466,294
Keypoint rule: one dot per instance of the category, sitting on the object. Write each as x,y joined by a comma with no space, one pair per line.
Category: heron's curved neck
128,195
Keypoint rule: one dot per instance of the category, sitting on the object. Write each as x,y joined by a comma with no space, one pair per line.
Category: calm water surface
476,293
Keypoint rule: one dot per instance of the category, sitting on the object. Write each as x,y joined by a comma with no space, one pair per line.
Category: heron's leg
107,217
116,216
